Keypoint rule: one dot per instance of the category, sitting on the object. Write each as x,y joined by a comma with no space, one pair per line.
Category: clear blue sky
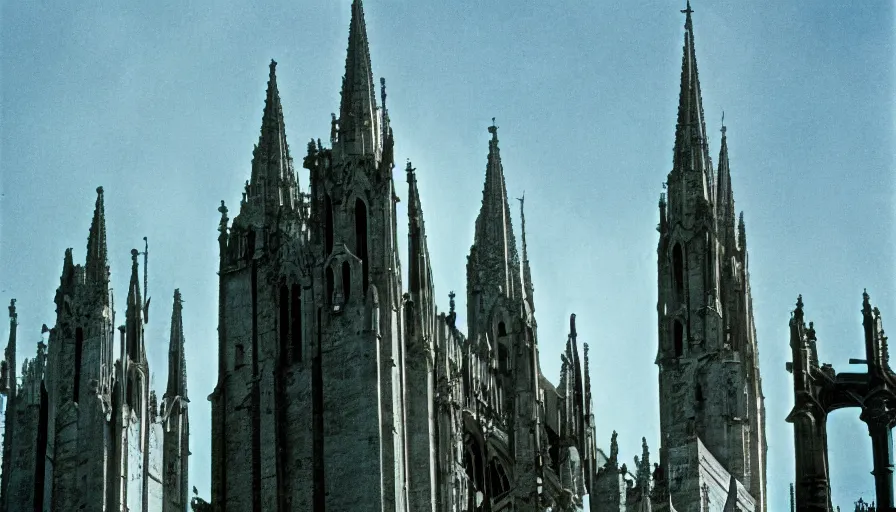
161,104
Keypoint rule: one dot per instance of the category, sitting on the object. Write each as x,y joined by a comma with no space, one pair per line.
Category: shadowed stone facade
82,430
712,454
340,387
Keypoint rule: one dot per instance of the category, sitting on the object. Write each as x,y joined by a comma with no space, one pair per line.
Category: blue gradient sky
161,104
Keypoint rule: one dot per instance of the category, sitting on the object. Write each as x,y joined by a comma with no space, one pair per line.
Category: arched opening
503,358
239,356
498,481
698,394
250,245
678,338
296,320
553,448
677,268
502,329
844,442
79,347
475,468
346,280
328,225
284,323
361,240
330,285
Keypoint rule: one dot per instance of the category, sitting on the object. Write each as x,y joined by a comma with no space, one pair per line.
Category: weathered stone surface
83,430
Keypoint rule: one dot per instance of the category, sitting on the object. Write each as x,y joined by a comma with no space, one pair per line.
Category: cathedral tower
710,390
261,333
81,359
358,366
310,393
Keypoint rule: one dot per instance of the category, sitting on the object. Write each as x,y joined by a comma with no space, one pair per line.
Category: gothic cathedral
83,430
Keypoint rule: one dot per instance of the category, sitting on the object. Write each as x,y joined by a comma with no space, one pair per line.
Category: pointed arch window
296,320
328,225
677,268
79,348
361,240
346,281
284,323
330,285
678,338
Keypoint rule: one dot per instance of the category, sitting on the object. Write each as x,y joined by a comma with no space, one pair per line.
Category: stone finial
613,460
452,314
12,310
334,128
222,226
798,312
810,332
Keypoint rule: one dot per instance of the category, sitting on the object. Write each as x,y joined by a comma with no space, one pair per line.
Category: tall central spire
691,146
359,130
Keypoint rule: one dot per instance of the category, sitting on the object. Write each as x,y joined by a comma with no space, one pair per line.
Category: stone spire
273,184
691,146
175,417
493,267
359,130
134,315
528,288
97,266
419,255
177,363
8,380
725,194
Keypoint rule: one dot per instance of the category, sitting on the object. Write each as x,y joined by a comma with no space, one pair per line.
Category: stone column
880,421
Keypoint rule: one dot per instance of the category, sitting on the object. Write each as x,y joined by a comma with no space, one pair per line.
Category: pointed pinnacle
134,293
177,384
97,268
